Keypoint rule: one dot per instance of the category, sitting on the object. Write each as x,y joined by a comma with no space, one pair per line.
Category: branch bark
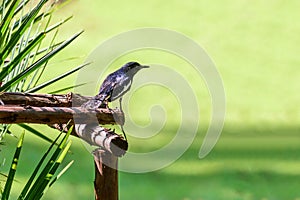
52,115
106,176
43,100
57,110
102,137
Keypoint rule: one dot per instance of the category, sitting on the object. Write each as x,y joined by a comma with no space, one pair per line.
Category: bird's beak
144,66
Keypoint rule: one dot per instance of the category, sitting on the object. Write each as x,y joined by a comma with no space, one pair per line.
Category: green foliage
56,79
27,43
34,131
21,42
35,186
12,170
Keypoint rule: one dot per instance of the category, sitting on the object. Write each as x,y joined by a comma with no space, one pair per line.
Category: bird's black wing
108,86
104,94
115,86
121,87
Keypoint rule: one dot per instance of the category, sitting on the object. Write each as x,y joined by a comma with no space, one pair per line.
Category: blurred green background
255,46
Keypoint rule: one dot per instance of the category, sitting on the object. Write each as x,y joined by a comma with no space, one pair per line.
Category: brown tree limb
43,100
60,115
57,110
106,176
102,137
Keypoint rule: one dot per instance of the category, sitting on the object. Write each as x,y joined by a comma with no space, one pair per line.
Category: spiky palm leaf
38,184
27,43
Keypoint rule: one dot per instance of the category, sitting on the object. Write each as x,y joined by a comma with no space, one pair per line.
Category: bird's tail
94,103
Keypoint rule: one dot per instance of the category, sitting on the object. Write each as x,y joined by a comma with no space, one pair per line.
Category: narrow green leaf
36,132
61,173
3,4
5,34
57,24
13,168
66,136
37,64
7,69
35,188
18,33
63,154
43,85
34,173
29,18
41,16
39,72
3,174
52,171
66,88
36,19
21,5
8,17
45,49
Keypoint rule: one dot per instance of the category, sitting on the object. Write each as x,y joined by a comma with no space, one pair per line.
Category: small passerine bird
114,86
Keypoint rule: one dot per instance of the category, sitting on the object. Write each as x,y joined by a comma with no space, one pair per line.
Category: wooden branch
106,176
43,100
102,137
57,110
53,115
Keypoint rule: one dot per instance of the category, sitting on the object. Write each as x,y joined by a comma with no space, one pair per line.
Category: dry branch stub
43,100
106,176
102,137
57,110
11,114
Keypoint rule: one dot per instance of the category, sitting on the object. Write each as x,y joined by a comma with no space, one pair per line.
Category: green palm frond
37,184
35,132
32,187
35,66
28,42
51,166
24,50
43,85
66,88
13,169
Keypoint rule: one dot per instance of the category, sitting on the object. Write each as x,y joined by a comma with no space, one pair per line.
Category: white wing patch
124,90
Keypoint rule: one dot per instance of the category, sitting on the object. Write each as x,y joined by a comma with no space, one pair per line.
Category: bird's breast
122,86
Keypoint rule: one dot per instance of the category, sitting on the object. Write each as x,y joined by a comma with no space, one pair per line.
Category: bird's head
133,67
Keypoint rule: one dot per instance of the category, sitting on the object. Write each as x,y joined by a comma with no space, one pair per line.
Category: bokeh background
255,46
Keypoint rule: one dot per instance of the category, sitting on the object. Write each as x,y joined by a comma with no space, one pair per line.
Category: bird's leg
123,132
122,128
120,100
